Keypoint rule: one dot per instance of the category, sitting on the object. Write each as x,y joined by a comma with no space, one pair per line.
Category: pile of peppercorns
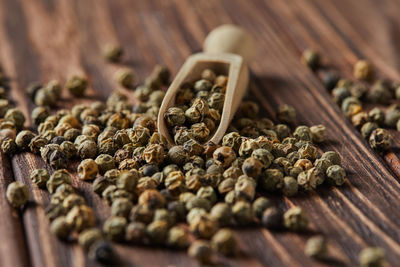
350,95
153,189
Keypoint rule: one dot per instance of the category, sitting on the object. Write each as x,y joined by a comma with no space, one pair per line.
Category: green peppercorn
102,252
135,232
77,85
15,116
363,70
318,133
114,228
112,52
58,159
224,242
332,156
39,114
376,115
303,133
8,146
125,77
252,167
60,228
286,114
87,169
392,115
372,257
271,180
58,178
221,213
380,93
17,194
316,247
311,59
40,177
89,237
72,200
224,156
310,179
380,139
177,238
260,205
23,139
201,251
290,186
271,218
157,232
336,175
242,213
87,149
295,219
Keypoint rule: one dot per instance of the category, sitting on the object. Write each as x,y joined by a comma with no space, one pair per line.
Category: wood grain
42,40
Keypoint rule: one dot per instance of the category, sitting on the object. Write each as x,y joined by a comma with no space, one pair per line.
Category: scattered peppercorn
112,52
372,257
77,85
295,219
17,194
316,247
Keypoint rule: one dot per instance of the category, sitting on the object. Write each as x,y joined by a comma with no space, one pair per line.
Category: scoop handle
232,39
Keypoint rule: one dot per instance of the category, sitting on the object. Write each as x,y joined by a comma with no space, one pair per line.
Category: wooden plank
13,251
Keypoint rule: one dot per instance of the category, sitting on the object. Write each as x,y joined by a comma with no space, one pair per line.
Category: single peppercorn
39,114
23,139
224,156
372,257
242,213
295,219
311,59
330,80
392,115
271,218
332,156
290,186
77,85
178,238
224,242
89,237
157,232
135,232
8,146
81,217
102,252
17,194
112,52
363,70
316,247
318,133
58,178
201,251
221,213
336,175
174,116
40,177
125,77
286,114
114,228
87,169
60,228
380,139
15,116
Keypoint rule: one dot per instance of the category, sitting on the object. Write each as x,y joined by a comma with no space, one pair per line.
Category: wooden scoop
226,50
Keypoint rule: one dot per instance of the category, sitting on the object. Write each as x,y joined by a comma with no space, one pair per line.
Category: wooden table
42,40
